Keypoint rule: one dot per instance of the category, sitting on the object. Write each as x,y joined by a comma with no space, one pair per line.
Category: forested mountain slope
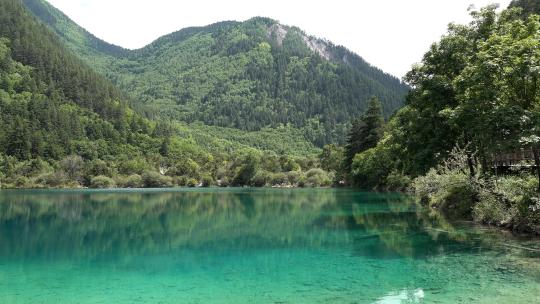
64,125
84,42
245,75
52,103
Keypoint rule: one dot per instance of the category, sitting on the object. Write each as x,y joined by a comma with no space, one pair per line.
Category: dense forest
475,99
62,124
244,75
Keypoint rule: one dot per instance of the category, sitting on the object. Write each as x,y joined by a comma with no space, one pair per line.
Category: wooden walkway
523,158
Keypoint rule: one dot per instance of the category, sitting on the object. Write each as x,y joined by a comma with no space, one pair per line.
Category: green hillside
76,37
62,124
244,75
50,98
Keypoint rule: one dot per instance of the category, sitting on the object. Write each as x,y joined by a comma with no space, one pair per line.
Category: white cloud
390,34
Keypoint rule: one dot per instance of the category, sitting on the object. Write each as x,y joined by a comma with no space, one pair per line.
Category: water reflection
250,246
90,224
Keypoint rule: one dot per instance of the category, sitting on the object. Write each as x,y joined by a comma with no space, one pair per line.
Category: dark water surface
252,246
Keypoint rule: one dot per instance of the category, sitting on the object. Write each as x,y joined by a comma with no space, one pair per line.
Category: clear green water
252,246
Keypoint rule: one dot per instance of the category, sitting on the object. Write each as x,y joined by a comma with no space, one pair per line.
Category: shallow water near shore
252,246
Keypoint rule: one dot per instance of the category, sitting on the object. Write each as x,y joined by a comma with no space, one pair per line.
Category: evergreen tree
365,132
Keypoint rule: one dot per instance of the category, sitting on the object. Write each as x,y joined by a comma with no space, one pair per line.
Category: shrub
261,179
132,166
491,210
207,180
224,182
317,178
34,167
510,201
450,188
191,182
180,181
398,182
186,167
247,171
153,179
55,179
278,179
72,166
99,167
102,182
452,192
134,181
293,177
21,182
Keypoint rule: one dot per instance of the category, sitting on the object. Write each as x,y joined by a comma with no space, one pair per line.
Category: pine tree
365,132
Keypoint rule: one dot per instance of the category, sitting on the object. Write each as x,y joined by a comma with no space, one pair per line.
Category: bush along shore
252,169
511,201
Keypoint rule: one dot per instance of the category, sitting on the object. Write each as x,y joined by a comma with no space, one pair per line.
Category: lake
252,246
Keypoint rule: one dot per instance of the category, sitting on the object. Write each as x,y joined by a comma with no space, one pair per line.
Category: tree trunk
536,153
470,163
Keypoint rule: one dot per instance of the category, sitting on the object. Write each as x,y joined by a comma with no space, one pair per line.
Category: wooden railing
521,158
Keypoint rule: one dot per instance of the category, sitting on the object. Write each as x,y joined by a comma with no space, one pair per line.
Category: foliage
528,6
449,188
397,182
102,182
207,181
63,125
244,75
510,201
477,88
153,179
365,133
133,181
317,178
247,170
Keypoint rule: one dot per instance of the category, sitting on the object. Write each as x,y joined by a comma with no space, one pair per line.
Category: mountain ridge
50,15
247,75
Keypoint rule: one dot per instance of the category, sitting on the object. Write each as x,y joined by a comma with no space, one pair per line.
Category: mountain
245,75
64,125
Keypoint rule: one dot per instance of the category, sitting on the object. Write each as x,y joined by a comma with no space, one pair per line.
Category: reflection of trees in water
403,229
90,224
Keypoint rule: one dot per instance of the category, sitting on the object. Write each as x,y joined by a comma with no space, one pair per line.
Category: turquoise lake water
252,246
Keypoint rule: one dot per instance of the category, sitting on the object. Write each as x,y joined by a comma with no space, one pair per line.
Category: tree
72,165
164,148
475,88
18,141
331,159
247,171
365,132
528,6
499,90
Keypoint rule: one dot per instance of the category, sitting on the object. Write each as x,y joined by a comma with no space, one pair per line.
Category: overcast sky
390,34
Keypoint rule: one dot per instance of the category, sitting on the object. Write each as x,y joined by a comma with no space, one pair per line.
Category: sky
389,34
